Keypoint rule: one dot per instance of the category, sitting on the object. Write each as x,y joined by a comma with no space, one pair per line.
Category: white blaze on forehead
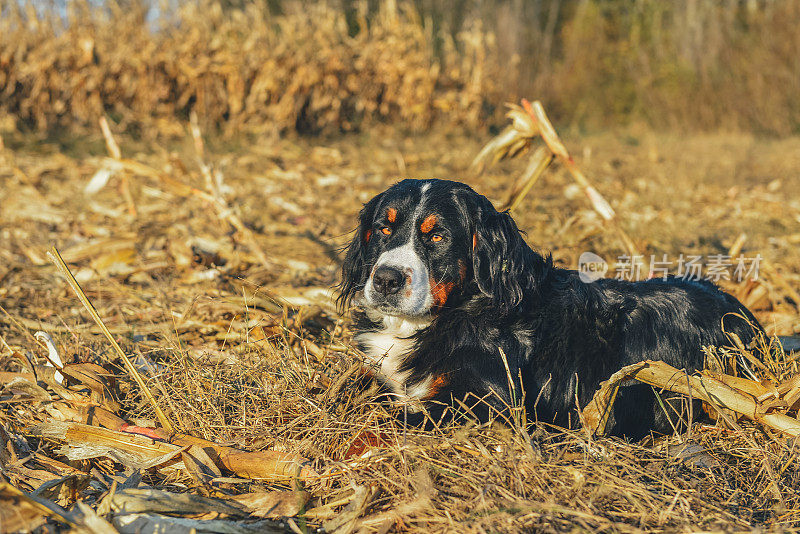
401,257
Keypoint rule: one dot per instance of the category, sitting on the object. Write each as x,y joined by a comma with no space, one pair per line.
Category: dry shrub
239,69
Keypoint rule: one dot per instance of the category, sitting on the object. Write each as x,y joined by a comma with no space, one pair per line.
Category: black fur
560,335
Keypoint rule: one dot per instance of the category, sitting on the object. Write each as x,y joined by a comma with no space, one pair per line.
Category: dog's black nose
387,280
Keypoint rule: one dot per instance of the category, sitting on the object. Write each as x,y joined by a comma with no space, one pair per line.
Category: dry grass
254,356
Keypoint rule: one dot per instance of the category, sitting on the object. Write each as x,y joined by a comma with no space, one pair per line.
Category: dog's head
424,243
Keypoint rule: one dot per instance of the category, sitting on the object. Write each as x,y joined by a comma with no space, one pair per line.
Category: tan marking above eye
386,230
391,215
428,224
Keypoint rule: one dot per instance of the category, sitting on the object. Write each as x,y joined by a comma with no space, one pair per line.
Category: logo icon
591,267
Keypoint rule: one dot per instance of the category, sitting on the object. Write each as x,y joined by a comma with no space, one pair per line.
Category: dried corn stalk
720,391
528,122
142,452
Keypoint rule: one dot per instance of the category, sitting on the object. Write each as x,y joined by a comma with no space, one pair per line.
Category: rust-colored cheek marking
367,236
436,386
474,241
391,215
440,291
428,224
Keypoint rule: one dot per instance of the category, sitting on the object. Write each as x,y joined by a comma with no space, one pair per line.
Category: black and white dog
456,304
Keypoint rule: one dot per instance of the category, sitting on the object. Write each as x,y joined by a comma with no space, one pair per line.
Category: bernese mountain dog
459,315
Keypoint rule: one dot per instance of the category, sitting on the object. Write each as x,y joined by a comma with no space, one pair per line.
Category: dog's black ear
354,267
505,267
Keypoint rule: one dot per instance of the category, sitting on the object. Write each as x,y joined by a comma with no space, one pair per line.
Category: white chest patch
387,348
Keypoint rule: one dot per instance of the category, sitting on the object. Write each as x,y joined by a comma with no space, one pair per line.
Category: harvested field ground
249,351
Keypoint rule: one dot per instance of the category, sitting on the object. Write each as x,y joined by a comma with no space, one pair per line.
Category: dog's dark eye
435,238
386,230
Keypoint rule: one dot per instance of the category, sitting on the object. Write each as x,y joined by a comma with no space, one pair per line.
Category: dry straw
282,404
55,257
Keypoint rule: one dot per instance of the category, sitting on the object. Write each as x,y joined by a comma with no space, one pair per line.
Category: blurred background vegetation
327,66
